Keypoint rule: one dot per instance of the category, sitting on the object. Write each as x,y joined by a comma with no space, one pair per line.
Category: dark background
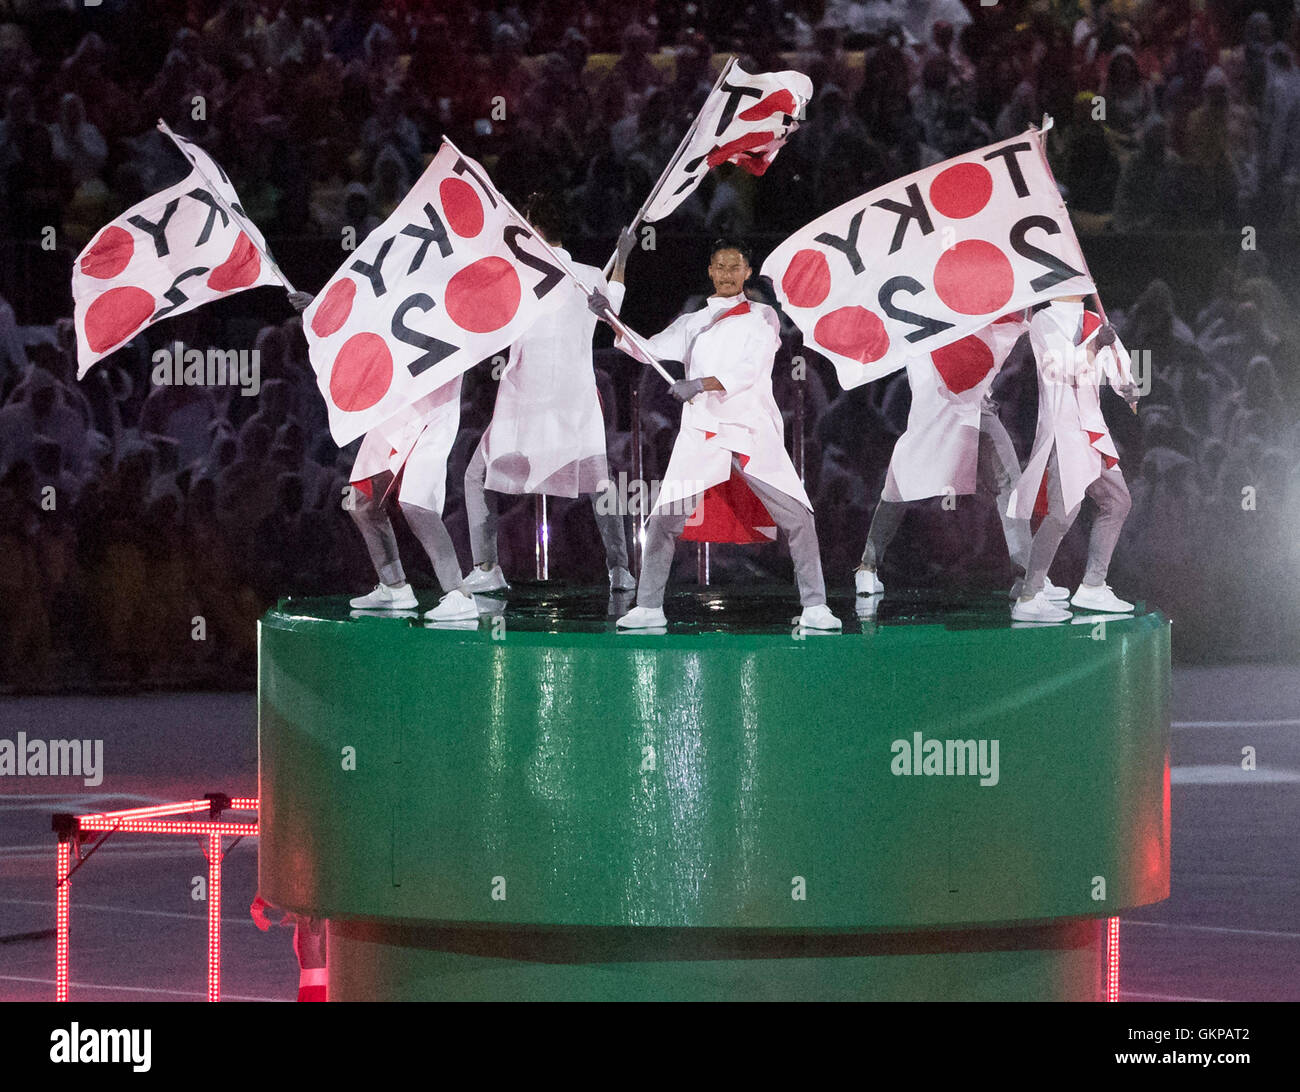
180,502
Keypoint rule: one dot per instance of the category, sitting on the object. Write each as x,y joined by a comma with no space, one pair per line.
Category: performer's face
728,271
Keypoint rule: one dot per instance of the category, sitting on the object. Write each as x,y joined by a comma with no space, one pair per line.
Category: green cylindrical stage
935,804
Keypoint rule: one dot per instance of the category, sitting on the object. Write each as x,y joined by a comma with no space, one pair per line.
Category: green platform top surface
541,769
555,616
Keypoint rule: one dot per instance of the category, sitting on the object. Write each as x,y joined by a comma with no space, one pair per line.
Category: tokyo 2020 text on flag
930,258
745,120
186,245
451,277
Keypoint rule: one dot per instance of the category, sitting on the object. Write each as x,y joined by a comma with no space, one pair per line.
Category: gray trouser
1112,499
662,531
381,542
997,469
482,507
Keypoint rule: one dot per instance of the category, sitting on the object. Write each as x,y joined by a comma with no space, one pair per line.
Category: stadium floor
1229,932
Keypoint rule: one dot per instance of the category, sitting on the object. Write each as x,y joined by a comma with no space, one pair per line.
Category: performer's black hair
548,214
732,244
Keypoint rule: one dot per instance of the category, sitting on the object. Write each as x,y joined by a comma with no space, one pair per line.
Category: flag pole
1096,295
216,196
1042,151
676,158
622,328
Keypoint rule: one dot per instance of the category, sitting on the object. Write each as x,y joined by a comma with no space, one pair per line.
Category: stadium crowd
180,513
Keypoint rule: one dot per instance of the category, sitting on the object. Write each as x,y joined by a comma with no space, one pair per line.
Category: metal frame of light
73,829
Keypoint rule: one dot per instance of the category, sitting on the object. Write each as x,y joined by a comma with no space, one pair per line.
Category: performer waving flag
186,245
1073,455
954,441
729,477
928,259
547,433
451,277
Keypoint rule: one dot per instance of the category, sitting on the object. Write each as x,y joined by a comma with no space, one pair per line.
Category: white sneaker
621,580
398,597
865,582
1099,597
455,606
1054,593
818,617
643,618
1038,609
484,580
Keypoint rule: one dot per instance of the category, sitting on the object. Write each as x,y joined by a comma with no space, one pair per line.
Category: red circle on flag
109,254
963,363
807,279
334,308
854,332
362,373
974,278
961,190
240,269
462,207
484,296
116,315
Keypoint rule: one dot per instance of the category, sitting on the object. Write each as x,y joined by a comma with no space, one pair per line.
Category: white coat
939,451
422,436
547,433
1070,373
734,340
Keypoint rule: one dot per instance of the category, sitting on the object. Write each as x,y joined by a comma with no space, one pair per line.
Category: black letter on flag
159,230
1008,155
464,168
434,350
435,233
734,92
914,210
220,170
925,327
214,210
552,276
175,294
848,246
1059,271
372,272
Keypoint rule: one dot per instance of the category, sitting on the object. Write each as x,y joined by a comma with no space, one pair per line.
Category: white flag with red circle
186,245
930,258
451,277
745,120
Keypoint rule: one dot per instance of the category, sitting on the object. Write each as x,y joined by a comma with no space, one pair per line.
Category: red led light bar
150,820
1112,959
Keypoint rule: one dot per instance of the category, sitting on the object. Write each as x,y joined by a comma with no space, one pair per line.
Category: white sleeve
1114,361
668,344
